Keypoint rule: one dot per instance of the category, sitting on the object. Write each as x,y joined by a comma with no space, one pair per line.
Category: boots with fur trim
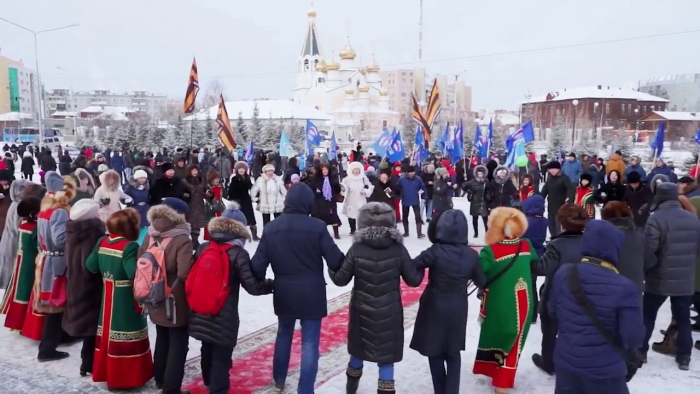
353,383
386,387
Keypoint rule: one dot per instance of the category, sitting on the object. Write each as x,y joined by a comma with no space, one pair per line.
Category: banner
14,89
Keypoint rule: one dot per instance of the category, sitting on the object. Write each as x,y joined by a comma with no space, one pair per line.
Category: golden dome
332,66
321,66
311,13
383,93
347,53
363,89
362,70
373,67
349,91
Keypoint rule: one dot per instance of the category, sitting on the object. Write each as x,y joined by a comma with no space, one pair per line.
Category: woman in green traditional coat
122,351
18,296
506,306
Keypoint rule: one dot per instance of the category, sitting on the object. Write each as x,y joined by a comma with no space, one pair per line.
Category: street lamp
573,129
36,59
72,99
595,120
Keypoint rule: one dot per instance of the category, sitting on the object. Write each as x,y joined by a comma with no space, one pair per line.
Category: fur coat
109,197
269,203
10,235
356,189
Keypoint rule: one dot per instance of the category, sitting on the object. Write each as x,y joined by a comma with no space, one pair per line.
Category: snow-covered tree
296,135
199,134
408,131
256,123
269,138
142,139
88,137
241,129
621,142
688,163
121,135
469,139
210,132
171,138
557,138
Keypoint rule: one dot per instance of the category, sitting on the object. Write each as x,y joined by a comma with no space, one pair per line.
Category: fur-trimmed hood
505,223
355,165
164,218
16,189
148,169
376,222
132,181
378,237
505,178
226,230
481,168
80,173
61,198
107,175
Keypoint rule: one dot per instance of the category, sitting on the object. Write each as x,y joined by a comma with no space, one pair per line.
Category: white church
351,93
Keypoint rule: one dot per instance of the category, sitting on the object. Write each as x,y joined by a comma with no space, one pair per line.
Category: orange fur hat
505,223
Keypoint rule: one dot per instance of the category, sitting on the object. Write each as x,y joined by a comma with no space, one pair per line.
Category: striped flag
422,123
225,130
434,105
192,89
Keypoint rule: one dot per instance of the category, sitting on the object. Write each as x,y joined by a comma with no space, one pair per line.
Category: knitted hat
85,209
102,168
29,207
233,212
176,204
268,167
165,167
295,177
140,174
554,165
634,177
442,171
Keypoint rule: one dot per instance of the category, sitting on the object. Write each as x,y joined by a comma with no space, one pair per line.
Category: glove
270,284
105,201
127,201
209,193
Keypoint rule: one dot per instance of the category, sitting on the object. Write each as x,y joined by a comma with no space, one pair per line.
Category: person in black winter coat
377,260
557,190
638,197
239,191
169,185
504,191
563,248
441,324
612,190
384,190
219,333
64,163
28,164
292,168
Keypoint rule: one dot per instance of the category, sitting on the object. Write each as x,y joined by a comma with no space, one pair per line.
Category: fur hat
29,207
268,167
554,165
176,204
140,174
585,177
241,164
602,240
440,172
85,209
430,168
686,180
634,177
376,214
615,209
657,180
505,223
125,222
102,168
233,212
295,177
165,167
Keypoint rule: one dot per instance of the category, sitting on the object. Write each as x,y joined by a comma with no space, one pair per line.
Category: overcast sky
252,46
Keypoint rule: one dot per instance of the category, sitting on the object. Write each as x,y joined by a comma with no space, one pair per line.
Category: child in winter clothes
377,260
526,189
219,333
585,361
109,195
138,189
443,191
536,233
585,195
441,323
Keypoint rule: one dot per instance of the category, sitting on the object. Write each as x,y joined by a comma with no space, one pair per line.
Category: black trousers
536,299
194,233
353,224
27,175
475,223
52,334
445,373
549,339
553,224
416,212
172,344
266,217
216,364
87,353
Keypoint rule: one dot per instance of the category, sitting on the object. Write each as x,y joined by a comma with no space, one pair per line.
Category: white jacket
269,203
356,189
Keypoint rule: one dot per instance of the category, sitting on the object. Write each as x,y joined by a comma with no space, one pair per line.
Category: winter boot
386,387
683,363
354,376
668,345
254,232
405,230
419,230
539,363
336,234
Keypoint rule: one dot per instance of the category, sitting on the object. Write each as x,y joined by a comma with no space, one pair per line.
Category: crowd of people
106,239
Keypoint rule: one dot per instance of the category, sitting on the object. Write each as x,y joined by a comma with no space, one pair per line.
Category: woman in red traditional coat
526,189
214,197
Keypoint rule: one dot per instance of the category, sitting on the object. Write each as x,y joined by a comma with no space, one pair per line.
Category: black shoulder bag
500,273
631,357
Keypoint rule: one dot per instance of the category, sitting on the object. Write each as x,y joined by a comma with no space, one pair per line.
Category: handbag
500,273
59,290
631,357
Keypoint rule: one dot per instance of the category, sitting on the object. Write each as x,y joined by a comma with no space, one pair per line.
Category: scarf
327,191
180,229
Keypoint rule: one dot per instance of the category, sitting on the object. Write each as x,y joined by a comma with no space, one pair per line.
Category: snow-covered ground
21,373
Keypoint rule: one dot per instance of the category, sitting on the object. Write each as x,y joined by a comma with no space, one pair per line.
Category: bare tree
212,93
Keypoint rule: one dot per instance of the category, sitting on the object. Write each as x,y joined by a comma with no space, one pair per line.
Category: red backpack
207,285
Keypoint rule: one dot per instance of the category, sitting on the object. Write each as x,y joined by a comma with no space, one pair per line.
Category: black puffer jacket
222,329
377,260
638,200
562,249
635,258
673,236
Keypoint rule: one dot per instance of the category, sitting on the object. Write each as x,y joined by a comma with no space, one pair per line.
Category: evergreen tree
241,128
256,124
199,135
209,131
621,142
156,137
557,138
469,133
107,136
408,131
183,136
88,137
121,135
171,139
142,139
688,163
132,134
296,135
269,138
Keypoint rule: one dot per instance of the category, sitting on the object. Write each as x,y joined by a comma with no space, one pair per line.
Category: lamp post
595,120
72,99
454,101
573,129
36,60
636,122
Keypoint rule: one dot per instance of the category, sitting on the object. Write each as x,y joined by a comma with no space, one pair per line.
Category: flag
302,161
313,137
697,136
657,144
250,153
515,144
444,141
225,130
423,124
333,153
458,143
395,151
382,143
434,105
419,151
286,149
527,132
192,89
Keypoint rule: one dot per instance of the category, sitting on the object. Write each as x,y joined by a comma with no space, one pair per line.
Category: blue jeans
310,337
386,371
680,309
428,209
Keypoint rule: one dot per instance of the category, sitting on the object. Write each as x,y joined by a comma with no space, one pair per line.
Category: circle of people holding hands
105,241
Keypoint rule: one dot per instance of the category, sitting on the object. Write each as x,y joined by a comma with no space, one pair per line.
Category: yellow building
17,87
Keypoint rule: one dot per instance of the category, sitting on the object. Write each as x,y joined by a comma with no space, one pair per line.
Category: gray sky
252,47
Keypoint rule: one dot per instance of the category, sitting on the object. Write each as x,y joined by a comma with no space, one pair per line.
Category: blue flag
302,161
697,136
657,144
333,153
395,151
286,149
250,153
419,151
458,143
382,143
313,137
444,142
489,141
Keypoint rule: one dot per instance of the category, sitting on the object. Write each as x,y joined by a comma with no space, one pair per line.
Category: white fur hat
140,174
85,208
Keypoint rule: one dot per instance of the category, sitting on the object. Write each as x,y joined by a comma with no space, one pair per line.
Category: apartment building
153,105
17,87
